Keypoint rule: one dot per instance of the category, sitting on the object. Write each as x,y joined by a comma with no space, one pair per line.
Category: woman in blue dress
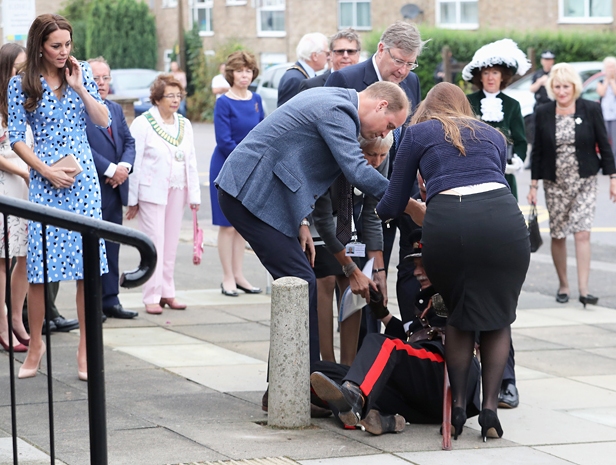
237,112
52,94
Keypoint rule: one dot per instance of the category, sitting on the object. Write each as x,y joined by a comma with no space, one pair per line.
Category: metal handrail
91,231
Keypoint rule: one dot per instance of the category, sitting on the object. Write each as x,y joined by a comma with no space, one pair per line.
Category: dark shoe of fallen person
117,311
347,399
508,396
377,423
62,325
377,307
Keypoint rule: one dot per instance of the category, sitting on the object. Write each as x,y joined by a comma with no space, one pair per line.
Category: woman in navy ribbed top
475,243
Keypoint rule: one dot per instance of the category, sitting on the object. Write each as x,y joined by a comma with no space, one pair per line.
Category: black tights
459,346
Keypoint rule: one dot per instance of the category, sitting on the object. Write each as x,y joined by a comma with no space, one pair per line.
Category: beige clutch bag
69,161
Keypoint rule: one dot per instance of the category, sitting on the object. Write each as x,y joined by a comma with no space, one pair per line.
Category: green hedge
568,46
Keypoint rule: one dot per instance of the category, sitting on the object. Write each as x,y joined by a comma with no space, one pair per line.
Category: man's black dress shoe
117,311
62,325
508,396
347,399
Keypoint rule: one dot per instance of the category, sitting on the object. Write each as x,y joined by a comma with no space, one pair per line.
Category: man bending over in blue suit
113,150
269,184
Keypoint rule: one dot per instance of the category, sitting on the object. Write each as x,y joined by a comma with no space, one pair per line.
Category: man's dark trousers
281,255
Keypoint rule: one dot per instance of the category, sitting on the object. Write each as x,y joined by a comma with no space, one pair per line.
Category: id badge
355,249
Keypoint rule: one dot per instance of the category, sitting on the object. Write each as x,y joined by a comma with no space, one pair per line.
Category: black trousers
111,280
281,255
400,377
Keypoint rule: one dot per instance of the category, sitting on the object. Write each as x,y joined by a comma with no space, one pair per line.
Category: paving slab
605,381
481,456
233,378
583,454
231,332
565,394
576,336
567,362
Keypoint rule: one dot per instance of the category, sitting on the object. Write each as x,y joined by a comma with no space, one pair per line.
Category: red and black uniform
403,377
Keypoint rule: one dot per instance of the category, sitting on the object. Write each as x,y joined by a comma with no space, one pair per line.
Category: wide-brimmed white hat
504,52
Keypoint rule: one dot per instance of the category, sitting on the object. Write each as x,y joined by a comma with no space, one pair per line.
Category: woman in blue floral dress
52,94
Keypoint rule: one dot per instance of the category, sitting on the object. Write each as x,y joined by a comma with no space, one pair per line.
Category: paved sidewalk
185,387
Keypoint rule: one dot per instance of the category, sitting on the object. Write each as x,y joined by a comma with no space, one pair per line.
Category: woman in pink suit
163,181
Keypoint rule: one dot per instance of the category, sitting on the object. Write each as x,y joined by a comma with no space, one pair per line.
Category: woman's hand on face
132,212
74,79
60,176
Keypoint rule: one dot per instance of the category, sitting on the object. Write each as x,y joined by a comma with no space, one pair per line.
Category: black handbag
533,229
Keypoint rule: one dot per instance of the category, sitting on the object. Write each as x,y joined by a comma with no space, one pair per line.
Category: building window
458,14
270,18
170,3
236,2
585,11
202,15
355,14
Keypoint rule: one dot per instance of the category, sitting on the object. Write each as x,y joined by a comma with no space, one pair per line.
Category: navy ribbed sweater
441,165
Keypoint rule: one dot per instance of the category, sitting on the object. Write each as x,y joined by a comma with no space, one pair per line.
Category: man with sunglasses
394,60
344,49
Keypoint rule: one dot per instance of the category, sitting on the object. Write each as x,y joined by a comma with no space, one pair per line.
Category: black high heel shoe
458,418
588,299
252,290
490,426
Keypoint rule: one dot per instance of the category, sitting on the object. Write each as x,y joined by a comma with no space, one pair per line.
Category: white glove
516,165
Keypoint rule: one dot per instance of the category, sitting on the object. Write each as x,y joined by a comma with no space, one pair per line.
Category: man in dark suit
344,48
113,150
395,58
312,54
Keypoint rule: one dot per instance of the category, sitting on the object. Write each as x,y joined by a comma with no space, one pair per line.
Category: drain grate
263,461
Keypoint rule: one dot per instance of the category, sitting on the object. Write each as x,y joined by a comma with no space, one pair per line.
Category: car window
588,73
590,90
123,81
522,83
277,76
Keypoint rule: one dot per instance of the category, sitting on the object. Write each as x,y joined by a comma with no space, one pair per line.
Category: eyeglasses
102,78
349,51
174,96
399,63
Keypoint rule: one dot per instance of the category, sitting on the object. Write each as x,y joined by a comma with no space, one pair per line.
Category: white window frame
586,19
236,2
270,5
354,22
196,5
170,3
457,24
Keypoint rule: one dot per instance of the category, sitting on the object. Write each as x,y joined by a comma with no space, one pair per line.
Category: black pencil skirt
476,252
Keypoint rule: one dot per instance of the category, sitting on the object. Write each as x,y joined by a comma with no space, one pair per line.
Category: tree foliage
123,31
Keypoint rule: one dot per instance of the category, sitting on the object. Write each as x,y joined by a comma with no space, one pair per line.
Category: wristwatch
305,222
348,269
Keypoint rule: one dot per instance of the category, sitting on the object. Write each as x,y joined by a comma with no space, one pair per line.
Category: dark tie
345,210
396,138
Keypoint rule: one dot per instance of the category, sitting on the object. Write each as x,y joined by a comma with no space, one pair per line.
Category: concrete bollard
289,365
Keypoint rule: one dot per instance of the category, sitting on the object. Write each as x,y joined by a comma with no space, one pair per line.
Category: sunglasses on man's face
348,51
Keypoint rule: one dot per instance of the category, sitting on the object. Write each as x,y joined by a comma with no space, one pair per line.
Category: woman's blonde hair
447,103
565,74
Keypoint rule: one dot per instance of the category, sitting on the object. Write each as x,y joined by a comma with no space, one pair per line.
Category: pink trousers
162,223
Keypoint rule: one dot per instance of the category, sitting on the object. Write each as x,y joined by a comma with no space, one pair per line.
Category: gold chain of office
175,141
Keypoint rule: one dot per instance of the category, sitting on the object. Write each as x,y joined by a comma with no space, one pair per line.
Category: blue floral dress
59,129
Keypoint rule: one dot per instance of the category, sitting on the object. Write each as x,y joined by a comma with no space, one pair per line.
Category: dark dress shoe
508,397
252,290
62,325
52,327
117,311
562,298
347,399
589,299
315,410
377,423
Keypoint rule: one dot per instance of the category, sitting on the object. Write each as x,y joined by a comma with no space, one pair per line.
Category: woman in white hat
491,69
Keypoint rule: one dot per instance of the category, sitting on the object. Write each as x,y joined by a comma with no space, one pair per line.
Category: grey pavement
185,387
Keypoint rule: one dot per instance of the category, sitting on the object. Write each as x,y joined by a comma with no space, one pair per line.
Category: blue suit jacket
362,75
288,87
291,158
106,151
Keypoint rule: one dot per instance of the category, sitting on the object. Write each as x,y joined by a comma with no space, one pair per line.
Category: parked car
266,85
520,90
134,83
590,87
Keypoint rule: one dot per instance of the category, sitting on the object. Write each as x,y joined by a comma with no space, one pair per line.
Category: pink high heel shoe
31,372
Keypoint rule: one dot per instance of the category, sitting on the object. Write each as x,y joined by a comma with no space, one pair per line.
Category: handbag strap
195,224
